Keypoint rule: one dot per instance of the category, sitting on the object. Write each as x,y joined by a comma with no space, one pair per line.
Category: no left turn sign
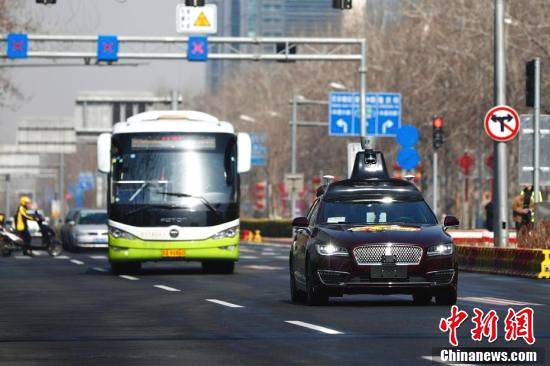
502,123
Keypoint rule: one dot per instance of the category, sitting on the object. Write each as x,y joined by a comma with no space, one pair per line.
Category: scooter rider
21,225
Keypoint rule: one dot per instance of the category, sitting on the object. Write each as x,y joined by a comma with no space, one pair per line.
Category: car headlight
331,249
120,234
228,233
441,249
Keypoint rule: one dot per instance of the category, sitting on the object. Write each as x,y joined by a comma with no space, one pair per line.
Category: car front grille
373,254
333,277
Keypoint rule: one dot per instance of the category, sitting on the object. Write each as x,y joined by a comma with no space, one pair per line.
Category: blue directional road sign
408,158
259,150
197,48
407,136
18,45
383,114
107,48
86,181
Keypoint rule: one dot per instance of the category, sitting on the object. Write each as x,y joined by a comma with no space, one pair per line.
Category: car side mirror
104,153
71,222
450,221
300,222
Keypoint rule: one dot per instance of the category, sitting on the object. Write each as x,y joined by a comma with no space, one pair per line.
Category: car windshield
383,211
92,218
174,169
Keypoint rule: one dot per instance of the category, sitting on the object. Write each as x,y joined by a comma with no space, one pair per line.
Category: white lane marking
21,257
99,269
244,250
130,278
496,301
76,261
166,288
439,360
268,253
281,257
62,257
38,253
249,257
98,256
224,303
313,326
264,268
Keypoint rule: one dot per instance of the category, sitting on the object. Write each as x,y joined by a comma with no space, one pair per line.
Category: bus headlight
120,234
440,249
227,233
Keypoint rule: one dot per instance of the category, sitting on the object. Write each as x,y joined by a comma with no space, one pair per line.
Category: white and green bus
173,189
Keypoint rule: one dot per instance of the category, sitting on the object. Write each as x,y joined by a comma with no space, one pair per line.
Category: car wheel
422,298
125,267
315,295
218,267
55,248
446,297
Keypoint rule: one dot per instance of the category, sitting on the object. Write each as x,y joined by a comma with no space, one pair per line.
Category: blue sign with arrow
383,114
259,150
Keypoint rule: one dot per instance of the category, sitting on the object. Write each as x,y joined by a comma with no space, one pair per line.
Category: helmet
24,200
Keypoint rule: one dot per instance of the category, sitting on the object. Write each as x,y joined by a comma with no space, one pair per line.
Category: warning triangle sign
202,21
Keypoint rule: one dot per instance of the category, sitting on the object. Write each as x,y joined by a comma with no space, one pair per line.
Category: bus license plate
173,253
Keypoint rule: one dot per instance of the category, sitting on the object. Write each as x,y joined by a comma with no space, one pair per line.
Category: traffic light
341,4
260,195
530,83
46,2
194,2
437,135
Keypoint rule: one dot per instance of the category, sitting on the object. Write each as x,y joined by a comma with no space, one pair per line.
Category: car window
312,214
92,218
382,211
71,216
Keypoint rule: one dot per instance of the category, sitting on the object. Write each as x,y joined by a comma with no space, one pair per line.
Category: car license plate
388,271
100,240
173,253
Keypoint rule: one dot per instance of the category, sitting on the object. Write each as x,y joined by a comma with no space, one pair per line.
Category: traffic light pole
293,153
435,183
536,137
500,198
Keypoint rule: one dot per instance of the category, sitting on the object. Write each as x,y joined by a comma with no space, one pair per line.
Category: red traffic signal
437,133
438,122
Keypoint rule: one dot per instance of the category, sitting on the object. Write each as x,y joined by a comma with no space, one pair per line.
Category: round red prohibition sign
502,123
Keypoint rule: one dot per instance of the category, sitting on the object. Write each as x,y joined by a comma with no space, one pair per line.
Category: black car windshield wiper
148,207
204,201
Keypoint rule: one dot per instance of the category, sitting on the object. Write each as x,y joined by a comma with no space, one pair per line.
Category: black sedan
374,236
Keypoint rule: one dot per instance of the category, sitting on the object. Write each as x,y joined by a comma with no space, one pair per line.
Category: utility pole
536,127
174,100
293,167
8,208
500,198
435,183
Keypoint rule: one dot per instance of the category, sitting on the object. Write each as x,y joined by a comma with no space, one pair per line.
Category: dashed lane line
101,257
313,327
76,261
129,278
263,267
99,269
224,303
62,257
249,257
281,257
22,257
166,288
496,301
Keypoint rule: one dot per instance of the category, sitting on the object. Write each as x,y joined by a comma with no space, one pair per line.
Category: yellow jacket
22,217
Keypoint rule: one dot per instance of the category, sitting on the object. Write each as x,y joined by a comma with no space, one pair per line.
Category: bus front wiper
148,207
200,198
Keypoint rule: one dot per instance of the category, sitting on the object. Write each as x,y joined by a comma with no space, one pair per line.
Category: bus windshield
174,169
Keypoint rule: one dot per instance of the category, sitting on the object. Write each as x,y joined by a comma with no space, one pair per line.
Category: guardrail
531,263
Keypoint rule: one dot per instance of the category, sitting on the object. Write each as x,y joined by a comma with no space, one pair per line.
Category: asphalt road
72,310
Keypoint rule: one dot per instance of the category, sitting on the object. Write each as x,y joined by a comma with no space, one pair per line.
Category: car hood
350,236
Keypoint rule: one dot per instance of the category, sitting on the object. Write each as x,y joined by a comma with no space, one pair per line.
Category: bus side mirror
104,153
244,146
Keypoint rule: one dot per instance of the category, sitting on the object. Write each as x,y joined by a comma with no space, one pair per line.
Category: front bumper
343,275
124,250
92,241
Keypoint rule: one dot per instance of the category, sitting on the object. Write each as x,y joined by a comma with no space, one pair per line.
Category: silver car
87,229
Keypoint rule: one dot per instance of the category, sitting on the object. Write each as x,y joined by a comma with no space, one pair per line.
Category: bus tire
218,267
125,267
